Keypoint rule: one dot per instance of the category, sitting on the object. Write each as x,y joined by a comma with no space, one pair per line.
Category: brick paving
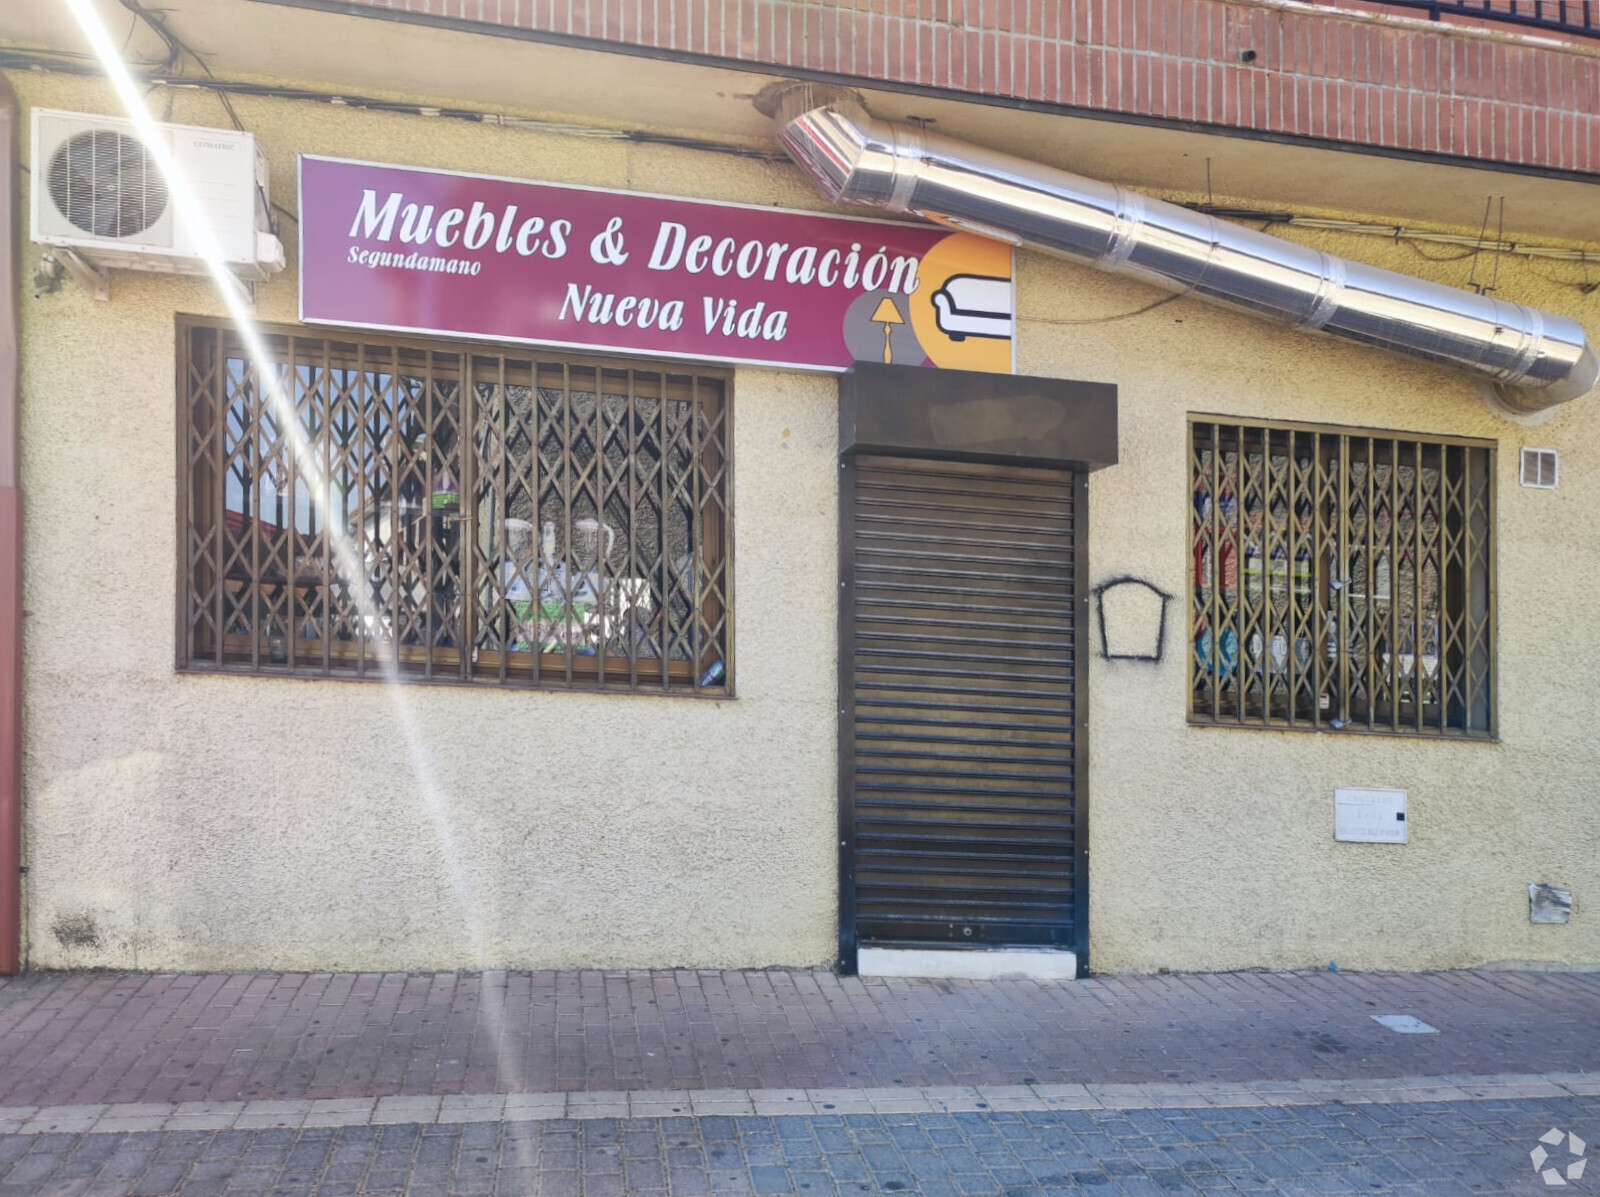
96,1038
802,1083
1436,1149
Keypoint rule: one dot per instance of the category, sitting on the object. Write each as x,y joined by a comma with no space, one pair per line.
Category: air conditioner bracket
95,279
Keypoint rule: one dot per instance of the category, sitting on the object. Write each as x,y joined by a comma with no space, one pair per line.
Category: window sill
1352,731
547,683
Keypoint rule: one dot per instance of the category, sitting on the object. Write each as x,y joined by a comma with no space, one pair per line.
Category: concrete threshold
997,964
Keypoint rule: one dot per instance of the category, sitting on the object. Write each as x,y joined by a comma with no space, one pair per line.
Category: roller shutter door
959,674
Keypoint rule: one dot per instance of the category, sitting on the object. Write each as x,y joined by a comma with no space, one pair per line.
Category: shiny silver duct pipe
1533,359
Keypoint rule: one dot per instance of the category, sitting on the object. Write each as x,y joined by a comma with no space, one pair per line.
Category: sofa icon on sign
973,305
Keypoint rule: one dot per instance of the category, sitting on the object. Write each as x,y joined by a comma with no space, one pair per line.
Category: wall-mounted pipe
10,538
1533,359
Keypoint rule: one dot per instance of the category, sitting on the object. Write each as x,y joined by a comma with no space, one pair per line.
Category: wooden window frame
475,530
1291,628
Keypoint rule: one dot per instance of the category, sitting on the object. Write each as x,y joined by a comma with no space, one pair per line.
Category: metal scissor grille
1340,579
385,507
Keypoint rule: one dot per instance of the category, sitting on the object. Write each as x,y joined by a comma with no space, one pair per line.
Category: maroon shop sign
428,251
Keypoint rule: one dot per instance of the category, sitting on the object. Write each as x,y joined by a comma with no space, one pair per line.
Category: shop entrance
962,662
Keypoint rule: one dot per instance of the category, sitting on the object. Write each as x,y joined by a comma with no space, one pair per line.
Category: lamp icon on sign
887,315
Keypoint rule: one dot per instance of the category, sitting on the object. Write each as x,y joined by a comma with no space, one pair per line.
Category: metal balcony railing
1580,17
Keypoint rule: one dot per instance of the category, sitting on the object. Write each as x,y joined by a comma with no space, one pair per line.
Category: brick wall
1354,73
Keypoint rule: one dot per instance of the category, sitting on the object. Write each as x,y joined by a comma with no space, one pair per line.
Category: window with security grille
1340,579
384,508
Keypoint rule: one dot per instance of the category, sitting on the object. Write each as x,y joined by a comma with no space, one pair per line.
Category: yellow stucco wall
1213,848
195,822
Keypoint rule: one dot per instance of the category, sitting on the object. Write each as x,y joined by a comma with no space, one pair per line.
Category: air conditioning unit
98,191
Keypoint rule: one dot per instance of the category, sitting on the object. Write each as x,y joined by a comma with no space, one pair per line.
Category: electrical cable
1149,307
1415,247
1472,278
70,64
158,25
176,49
1471,244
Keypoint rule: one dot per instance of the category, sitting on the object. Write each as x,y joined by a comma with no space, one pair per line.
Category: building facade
458,617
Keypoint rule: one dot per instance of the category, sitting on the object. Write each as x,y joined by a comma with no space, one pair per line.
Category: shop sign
426,251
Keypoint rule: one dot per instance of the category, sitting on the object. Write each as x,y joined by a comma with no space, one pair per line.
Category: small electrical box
1369,816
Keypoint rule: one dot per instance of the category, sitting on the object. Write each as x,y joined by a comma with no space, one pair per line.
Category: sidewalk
87,1038
685,1083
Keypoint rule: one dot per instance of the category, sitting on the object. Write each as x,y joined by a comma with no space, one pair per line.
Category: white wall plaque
1369,816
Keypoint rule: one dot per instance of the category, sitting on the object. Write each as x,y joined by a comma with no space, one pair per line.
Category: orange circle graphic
964,307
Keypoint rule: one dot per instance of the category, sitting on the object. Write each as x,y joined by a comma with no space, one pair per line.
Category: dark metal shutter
959,674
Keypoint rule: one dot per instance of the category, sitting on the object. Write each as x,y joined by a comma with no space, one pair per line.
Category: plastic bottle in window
1252,572
1252,549
446,497
1303,578
1203,559
1335,590
519,599
1304,510
1430,650
553,612
1227,500
277,643
1229,567
1227,650
1324,699
1278,577
1407,658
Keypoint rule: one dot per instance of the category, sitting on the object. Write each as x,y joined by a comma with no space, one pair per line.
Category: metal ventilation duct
1534,359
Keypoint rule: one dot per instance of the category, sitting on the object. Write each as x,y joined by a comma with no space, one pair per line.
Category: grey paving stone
689,1030
735,1031
34,1168
559,1183
158,1180
603,1185
203,1188
436,1150
811,1183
